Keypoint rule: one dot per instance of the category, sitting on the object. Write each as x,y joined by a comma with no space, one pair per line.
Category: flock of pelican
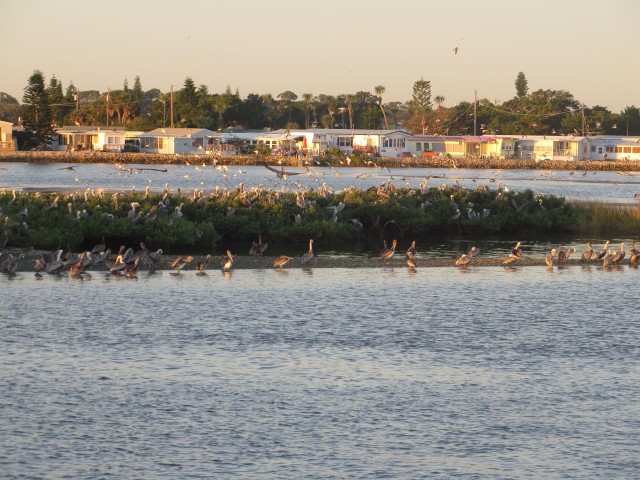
126,261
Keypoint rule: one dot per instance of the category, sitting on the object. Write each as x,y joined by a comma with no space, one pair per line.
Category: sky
587,47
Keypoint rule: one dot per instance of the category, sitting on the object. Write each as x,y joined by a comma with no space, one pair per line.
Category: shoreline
310,161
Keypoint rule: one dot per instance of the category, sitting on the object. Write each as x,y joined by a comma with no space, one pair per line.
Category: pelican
258,248
586,256
603,251
517,251
633,259
412,251
228,263
634,250
202,265
179,263
619,255
411,261
606,260
549,260
281,261
10,265
474,252
78,267
307,257
388,253
511,259
562,255
118,265
130,271
464,260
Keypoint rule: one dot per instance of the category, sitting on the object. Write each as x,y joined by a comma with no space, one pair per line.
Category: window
609,149
599,149
418,146
627,149
636,149
593,148
618,149
344,141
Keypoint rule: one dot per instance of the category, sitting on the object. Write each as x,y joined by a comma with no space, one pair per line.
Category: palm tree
439,99
349,100
380,89
307,99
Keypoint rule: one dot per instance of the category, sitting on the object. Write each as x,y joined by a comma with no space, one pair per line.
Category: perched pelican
511,259
228,263
78,267
586,256
130,271
549,259
307,257
10,265
634,250
474,252
202,265
388,252
118,265
411,261
603,251
464,260
619,255
281,261
412,251
517,251
258,248
179,263
633,259
606,260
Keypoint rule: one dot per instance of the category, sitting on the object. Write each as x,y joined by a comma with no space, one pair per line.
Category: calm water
363,373
603,186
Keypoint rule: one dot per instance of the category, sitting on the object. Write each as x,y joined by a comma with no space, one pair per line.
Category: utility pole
77,95
171,106
108,93
583,121
475,111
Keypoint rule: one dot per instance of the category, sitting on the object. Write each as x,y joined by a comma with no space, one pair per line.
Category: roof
179,132
342,131
87,128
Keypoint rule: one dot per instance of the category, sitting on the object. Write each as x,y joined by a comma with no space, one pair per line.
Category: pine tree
421,102
137,96
522,86
56,100
37,108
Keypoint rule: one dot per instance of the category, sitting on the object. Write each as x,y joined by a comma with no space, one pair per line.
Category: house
108,139
461,146
381,143
549,147
6,136
183,141
608,147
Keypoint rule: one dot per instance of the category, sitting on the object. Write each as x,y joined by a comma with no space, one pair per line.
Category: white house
549,147
458,146
6,138
383,143
108,139
608,147
183,141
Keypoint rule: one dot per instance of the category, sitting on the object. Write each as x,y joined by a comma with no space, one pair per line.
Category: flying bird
455,51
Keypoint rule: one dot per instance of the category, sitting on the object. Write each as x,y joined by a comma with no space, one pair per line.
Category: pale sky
587,47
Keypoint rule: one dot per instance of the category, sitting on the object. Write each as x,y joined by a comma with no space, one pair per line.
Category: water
586,186
322,373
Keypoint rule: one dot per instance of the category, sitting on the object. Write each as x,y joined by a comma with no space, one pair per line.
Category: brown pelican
562,256
130,271
634,250
511,259
412,251
388,253
568,252
633,259
118,265
464,260
202,265
10,265
307,257
179,263
606,260
258,248
603,251
517,251
228,263
619,255
78,267
281,261
586,256
549,259
411,261
474,252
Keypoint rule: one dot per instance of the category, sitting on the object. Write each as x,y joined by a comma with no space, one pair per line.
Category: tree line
47,105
